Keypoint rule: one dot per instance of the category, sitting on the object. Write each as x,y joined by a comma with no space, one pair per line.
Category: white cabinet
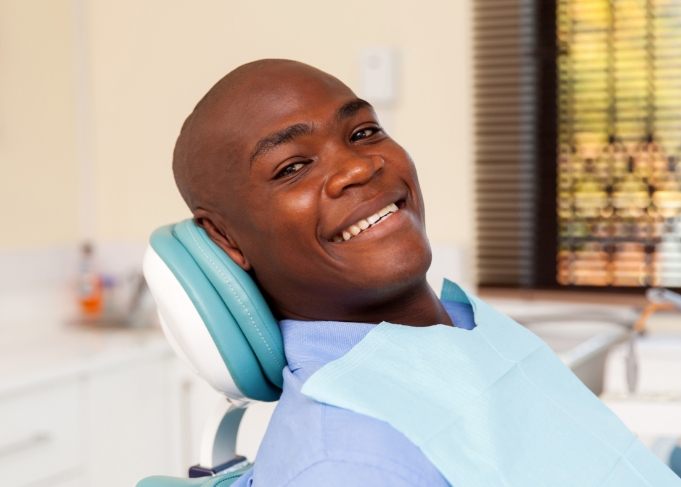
41,433
88,409
129,422
104,408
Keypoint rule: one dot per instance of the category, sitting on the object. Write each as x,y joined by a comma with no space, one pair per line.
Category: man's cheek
297,205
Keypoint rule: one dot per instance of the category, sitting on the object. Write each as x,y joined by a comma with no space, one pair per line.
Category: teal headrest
229,304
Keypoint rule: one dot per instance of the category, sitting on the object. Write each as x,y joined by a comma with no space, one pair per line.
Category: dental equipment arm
659,299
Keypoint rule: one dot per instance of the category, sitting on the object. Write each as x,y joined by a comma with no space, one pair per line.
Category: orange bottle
90,289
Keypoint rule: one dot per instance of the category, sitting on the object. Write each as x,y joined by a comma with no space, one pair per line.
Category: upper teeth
358,227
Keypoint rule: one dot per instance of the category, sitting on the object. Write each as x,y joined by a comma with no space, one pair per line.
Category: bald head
211,139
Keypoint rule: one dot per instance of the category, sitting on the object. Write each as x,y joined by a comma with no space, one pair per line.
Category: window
578,134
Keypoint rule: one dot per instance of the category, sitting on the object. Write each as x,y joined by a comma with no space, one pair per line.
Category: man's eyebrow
352,107
283,136
271,141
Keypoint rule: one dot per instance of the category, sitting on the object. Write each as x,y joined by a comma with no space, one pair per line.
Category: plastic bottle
89,287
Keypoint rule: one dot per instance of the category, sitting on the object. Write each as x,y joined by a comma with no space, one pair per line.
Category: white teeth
357,228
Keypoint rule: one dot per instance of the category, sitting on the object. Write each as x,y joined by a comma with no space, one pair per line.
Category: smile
366,223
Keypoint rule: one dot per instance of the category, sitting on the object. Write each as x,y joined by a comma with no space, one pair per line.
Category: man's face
323,204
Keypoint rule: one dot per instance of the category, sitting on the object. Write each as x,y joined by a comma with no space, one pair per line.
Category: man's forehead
253,110
272,95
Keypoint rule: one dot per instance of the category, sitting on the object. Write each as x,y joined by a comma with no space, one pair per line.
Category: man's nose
352,170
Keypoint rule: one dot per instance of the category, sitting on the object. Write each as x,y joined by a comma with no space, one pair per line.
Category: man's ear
222,239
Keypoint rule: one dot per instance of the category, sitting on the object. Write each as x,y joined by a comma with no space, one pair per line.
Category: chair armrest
162,481
223,480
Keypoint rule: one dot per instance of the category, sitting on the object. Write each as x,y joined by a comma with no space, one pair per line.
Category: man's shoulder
301,421
307,439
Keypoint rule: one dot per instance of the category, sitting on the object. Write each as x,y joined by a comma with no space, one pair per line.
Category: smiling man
291,174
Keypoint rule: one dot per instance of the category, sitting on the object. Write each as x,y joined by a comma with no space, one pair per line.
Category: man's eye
365,133
289,170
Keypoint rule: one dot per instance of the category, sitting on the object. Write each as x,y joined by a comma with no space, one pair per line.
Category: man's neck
416,306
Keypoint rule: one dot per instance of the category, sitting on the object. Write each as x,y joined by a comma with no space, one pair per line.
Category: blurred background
546,135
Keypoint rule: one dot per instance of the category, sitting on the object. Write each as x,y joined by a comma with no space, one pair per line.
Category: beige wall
149,62
39,174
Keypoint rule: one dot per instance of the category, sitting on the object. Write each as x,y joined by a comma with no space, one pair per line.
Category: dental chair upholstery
216,319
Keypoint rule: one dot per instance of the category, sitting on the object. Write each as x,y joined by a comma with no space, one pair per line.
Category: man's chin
365,292
397,270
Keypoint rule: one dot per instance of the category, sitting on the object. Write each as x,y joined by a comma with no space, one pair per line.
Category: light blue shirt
313,444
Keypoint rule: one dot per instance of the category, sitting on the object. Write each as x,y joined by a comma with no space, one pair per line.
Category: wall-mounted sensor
379,74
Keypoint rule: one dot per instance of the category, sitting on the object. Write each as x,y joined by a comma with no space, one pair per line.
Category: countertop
33,356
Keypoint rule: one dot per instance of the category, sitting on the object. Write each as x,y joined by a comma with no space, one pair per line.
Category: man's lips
366,215
366,223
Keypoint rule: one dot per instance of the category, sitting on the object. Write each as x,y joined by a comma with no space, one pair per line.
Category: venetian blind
505,71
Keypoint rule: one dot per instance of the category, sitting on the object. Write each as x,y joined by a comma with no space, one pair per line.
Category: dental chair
216,319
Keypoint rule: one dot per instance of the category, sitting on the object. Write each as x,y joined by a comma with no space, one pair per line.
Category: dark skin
276,162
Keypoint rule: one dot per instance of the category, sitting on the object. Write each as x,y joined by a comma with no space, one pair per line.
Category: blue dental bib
489,407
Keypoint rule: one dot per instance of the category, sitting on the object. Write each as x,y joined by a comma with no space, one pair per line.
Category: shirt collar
311,344
307,343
